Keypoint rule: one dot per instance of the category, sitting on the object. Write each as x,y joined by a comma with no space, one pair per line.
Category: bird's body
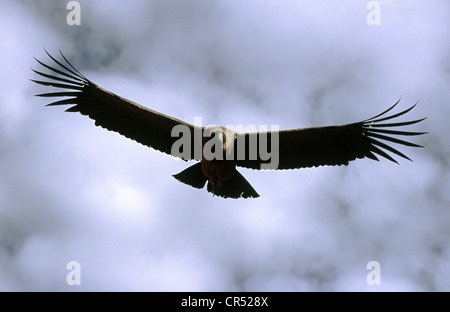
218,172
221,149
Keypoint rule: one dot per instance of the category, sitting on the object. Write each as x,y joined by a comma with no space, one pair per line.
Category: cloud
71,191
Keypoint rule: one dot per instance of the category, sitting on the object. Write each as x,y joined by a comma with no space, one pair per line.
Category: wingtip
48,53
384,112
60,52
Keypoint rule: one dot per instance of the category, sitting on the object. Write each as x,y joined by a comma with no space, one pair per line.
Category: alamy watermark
374,16
233,142
73,278
74,16
374,276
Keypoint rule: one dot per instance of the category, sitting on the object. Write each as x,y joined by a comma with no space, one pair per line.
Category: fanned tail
236,187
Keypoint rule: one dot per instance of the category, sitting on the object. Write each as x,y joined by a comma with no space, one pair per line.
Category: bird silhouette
219,150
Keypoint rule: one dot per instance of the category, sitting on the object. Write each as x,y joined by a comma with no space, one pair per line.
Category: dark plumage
296,148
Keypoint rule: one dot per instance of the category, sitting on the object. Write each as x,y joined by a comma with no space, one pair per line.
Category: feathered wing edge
75,82
374,129
334,145
111,111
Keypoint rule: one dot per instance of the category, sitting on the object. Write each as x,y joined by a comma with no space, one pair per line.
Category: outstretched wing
326,146
111,111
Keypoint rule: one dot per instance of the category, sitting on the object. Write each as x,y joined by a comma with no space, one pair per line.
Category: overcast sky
70,191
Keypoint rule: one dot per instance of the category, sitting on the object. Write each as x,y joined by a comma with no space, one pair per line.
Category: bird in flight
219,150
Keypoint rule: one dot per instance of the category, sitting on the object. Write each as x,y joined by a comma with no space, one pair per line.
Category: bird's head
218,141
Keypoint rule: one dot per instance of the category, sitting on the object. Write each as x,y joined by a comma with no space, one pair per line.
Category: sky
70,191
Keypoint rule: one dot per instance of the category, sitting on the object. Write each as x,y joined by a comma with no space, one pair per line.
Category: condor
295,148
